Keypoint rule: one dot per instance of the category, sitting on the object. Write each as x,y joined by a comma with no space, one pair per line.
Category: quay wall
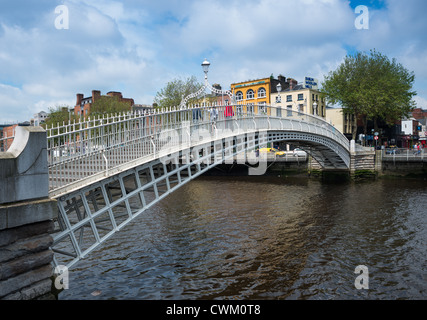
26,218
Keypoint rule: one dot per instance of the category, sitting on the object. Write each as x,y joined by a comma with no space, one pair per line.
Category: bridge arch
105,172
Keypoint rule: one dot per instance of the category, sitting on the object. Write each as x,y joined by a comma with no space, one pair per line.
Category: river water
267,237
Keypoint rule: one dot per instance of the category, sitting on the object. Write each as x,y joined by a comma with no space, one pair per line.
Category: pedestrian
228,114
214,116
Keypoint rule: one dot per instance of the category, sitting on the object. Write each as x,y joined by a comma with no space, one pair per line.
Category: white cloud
421,102
137,47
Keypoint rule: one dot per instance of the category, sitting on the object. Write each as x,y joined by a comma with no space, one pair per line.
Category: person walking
213,117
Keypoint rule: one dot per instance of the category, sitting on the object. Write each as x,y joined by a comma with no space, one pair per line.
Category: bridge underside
325,151
91,214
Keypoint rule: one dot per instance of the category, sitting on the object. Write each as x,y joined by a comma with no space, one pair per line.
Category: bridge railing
404,154
82,149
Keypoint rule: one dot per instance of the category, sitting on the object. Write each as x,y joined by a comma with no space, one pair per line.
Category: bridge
104,172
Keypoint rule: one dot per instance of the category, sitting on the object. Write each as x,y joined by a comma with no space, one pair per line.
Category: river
267,237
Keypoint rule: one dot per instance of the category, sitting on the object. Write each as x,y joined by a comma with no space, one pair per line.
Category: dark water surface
266,238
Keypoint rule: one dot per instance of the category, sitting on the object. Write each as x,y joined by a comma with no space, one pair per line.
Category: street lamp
205,66
279,88
315,108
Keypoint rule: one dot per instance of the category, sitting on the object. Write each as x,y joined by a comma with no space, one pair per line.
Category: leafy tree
108,105
371,87
59,114
175,91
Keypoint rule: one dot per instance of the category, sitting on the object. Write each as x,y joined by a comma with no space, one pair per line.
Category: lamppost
279,88
315,108
205,67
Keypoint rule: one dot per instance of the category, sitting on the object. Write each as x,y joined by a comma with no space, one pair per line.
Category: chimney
292,83
115,94
281,78
95,94
79,99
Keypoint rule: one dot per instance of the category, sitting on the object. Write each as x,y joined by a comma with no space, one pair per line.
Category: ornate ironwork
206,85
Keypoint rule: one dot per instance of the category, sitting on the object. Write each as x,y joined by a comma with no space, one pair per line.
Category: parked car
277,152
297,152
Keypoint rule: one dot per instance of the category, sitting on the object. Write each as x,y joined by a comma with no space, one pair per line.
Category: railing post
154,146
106,163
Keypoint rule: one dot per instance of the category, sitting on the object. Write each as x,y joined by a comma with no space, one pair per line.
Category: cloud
136,47
259,26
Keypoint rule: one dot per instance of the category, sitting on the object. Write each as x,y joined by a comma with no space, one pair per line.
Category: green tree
58,115
176,90
371,87
108,105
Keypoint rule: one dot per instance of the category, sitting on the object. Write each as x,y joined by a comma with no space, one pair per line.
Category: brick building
7,132
83,104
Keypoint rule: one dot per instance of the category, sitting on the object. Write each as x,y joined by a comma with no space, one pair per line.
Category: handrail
78,150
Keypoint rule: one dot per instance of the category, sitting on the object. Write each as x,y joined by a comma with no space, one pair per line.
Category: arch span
107,171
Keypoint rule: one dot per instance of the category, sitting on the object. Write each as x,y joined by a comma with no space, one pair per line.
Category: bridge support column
362,161
26,218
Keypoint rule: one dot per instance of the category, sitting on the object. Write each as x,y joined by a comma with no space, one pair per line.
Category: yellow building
254,94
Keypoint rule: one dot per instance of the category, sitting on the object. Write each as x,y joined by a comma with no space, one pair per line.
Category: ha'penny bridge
80,183
105,172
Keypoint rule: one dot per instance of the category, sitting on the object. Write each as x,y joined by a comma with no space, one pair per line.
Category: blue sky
136,47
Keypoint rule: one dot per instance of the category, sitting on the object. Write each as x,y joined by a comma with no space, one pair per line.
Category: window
250,108
261,93
289,113
262,109
300,96
278,99
250,94
239,110
289,98
279,112
239,96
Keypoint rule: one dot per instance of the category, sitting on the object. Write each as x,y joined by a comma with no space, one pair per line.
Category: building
7,133
219,99
83,105
341,121
253,94
141,108
39,118
300,98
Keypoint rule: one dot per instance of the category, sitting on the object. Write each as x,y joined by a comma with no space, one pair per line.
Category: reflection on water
266,238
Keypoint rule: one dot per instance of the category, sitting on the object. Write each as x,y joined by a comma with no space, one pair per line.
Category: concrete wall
26,218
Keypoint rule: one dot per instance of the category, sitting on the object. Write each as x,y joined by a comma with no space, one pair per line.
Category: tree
58,115
108,105
175,91
371,87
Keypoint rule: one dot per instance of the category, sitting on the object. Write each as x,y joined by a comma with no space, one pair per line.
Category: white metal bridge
106,171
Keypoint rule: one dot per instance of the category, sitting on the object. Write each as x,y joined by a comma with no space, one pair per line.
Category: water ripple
266,238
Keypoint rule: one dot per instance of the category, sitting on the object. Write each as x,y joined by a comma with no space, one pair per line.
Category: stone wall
26,218
362,158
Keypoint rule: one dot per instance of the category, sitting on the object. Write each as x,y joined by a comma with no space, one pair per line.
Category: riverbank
302,169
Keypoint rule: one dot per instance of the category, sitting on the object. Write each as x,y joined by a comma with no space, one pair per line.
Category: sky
49,54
